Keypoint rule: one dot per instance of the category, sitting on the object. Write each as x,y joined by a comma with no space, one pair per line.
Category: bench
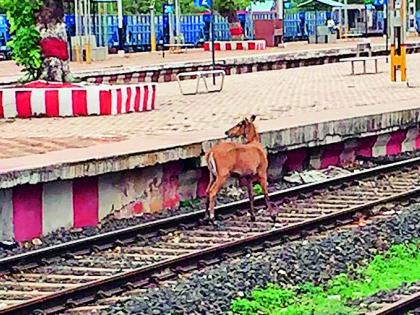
201,75
364,47
174,48
363,60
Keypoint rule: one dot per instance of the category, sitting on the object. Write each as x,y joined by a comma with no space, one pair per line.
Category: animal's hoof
253,218
203,221
273,217
207,220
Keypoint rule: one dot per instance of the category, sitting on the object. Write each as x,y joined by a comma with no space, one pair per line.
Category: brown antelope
248,161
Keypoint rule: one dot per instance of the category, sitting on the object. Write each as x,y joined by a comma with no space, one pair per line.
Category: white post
105,26
85,21
412,17
178,20
76,16
340,17
280,6
89,21
346,18
171,25
99,25
77,33
120,28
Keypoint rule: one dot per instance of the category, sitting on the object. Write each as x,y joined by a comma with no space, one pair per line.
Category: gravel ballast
211,291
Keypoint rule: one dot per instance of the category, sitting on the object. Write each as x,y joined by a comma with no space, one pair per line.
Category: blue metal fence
291,25
298,25
195,28
4,34
137,29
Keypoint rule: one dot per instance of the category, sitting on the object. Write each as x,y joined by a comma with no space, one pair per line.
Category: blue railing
4,34
299,25
137,29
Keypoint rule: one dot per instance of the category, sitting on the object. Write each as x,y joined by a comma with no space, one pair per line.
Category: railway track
402,306
73,274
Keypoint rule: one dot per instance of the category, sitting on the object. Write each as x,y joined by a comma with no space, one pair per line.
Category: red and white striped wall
29,211
76,100
236,45
374,146
345,152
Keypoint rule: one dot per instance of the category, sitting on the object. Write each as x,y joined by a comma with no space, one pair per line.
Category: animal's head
245,128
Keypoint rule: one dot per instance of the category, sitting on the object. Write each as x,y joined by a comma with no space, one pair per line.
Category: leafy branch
25,47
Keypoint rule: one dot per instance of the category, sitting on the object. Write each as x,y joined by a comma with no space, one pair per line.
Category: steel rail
88,292
400,307
33,258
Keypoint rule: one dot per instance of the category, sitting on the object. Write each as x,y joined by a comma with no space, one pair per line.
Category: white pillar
346,18
280,7
120,28
412,17
178,20
171,24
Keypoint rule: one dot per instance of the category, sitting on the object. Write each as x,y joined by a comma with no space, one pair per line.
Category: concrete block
6,215
57,205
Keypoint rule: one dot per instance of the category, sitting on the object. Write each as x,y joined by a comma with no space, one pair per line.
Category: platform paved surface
9,69
294,96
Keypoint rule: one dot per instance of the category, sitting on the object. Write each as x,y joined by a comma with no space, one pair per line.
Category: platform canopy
330,3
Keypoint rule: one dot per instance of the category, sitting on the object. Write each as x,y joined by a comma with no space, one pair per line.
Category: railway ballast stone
211,291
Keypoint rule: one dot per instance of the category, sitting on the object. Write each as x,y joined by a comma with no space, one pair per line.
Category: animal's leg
251,198
264,186
214,189
211,182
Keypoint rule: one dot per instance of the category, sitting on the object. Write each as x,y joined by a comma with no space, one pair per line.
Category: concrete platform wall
29,211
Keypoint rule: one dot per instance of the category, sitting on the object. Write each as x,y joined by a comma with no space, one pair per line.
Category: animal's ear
253,117
245,120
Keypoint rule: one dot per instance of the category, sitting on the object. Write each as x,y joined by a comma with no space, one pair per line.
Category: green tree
224,7
25,37
39,39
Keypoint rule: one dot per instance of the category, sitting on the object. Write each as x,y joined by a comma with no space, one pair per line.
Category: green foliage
189,203
384,272
25,47
187,6
258,190
226,5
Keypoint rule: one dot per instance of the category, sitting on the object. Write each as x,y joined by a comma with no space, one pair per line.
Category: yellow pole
89,44
76,16
152,28
398,30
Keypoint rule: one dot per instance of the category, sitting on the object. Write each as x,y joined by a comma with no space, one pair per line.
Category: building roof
330,3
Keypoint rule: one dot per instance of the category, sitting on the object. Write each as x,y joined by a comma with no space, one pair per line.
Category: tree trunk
54,48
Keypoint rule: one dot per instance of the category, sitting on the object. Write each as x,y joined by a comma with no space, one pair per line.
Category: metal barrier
291,25
195,28
4,35
138,30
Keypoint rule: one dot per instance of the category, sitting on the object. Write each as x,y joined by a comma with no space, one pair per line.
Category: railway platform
73,172
153,67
